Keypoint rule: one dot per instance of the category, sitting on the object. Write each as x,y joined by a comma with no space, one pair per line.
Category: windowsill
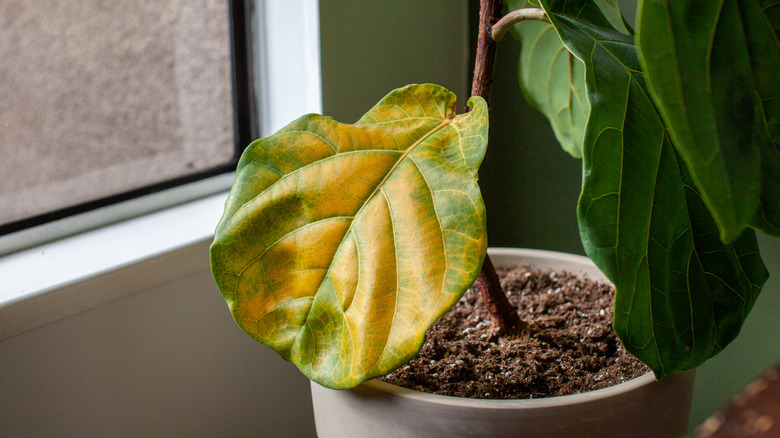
63,278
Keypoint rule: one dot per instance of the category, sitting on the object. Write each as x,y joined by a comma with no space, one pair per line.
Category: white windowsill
63,278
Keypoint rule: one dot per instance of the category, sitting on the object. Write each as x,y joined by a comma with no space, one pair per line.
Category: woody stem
501,311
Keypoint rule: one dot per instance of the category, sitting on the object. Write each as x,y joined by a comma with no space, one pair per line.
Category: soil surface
568,347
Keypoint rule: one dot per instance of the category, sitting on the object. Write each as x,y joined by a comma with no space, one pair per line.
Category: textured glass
100,97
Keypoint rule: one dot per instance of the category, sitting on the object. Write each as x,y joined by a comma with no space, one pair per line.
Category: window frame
246,128
170,236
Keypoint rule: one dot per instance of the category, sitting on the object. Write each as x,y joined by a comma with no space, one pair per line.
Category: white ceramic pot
638,408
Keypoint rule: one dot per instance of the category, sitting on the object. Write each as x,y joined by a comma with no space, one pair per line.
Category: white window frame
55,280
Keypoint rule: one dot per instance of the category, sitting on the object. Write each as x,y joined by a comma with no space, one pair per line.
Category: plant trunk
501,311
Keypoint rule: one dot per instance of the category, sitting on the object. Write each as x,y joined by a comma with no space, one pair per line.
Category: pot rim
537,403
573,263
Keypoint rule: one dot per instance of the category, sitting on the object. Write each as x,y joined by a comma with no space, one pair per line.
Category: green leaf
552,80
598,13
681,293
762,28
611,11
729,275
712,70
341,244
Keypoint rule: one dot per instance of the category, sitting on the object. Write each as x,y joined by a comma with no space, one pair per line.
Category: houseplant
646,226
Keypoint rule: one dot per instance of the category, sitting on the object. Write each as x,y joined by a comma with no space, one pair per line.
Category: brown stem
489,13
501,311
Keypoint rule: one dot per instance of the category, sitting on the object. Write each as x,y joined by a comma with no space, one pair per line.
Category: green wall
372,47
529,184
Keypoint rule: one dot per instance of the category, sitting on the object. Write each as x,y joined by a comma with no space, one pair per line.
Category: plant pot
641,407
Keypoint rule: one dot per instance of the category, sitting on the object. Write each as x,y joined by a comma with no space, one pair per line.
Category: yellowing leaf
341,244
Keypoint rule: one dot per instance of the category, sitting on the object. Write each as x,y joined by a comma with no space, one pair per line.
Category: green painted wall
370,47
529,183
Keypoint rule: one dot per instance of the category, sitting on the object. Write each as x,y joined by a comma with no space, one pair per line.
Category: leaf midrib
446,122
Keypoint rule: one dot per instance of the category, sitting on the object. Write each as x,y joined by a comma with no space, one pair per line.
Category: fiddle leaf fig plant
341,244
682,293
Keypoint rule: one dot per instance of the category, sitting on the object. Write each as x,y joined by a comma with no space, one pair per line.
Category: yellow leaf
341,244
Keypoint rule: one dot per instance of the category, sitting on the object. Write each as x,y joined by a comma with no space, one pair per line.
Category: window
108,101
50,281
